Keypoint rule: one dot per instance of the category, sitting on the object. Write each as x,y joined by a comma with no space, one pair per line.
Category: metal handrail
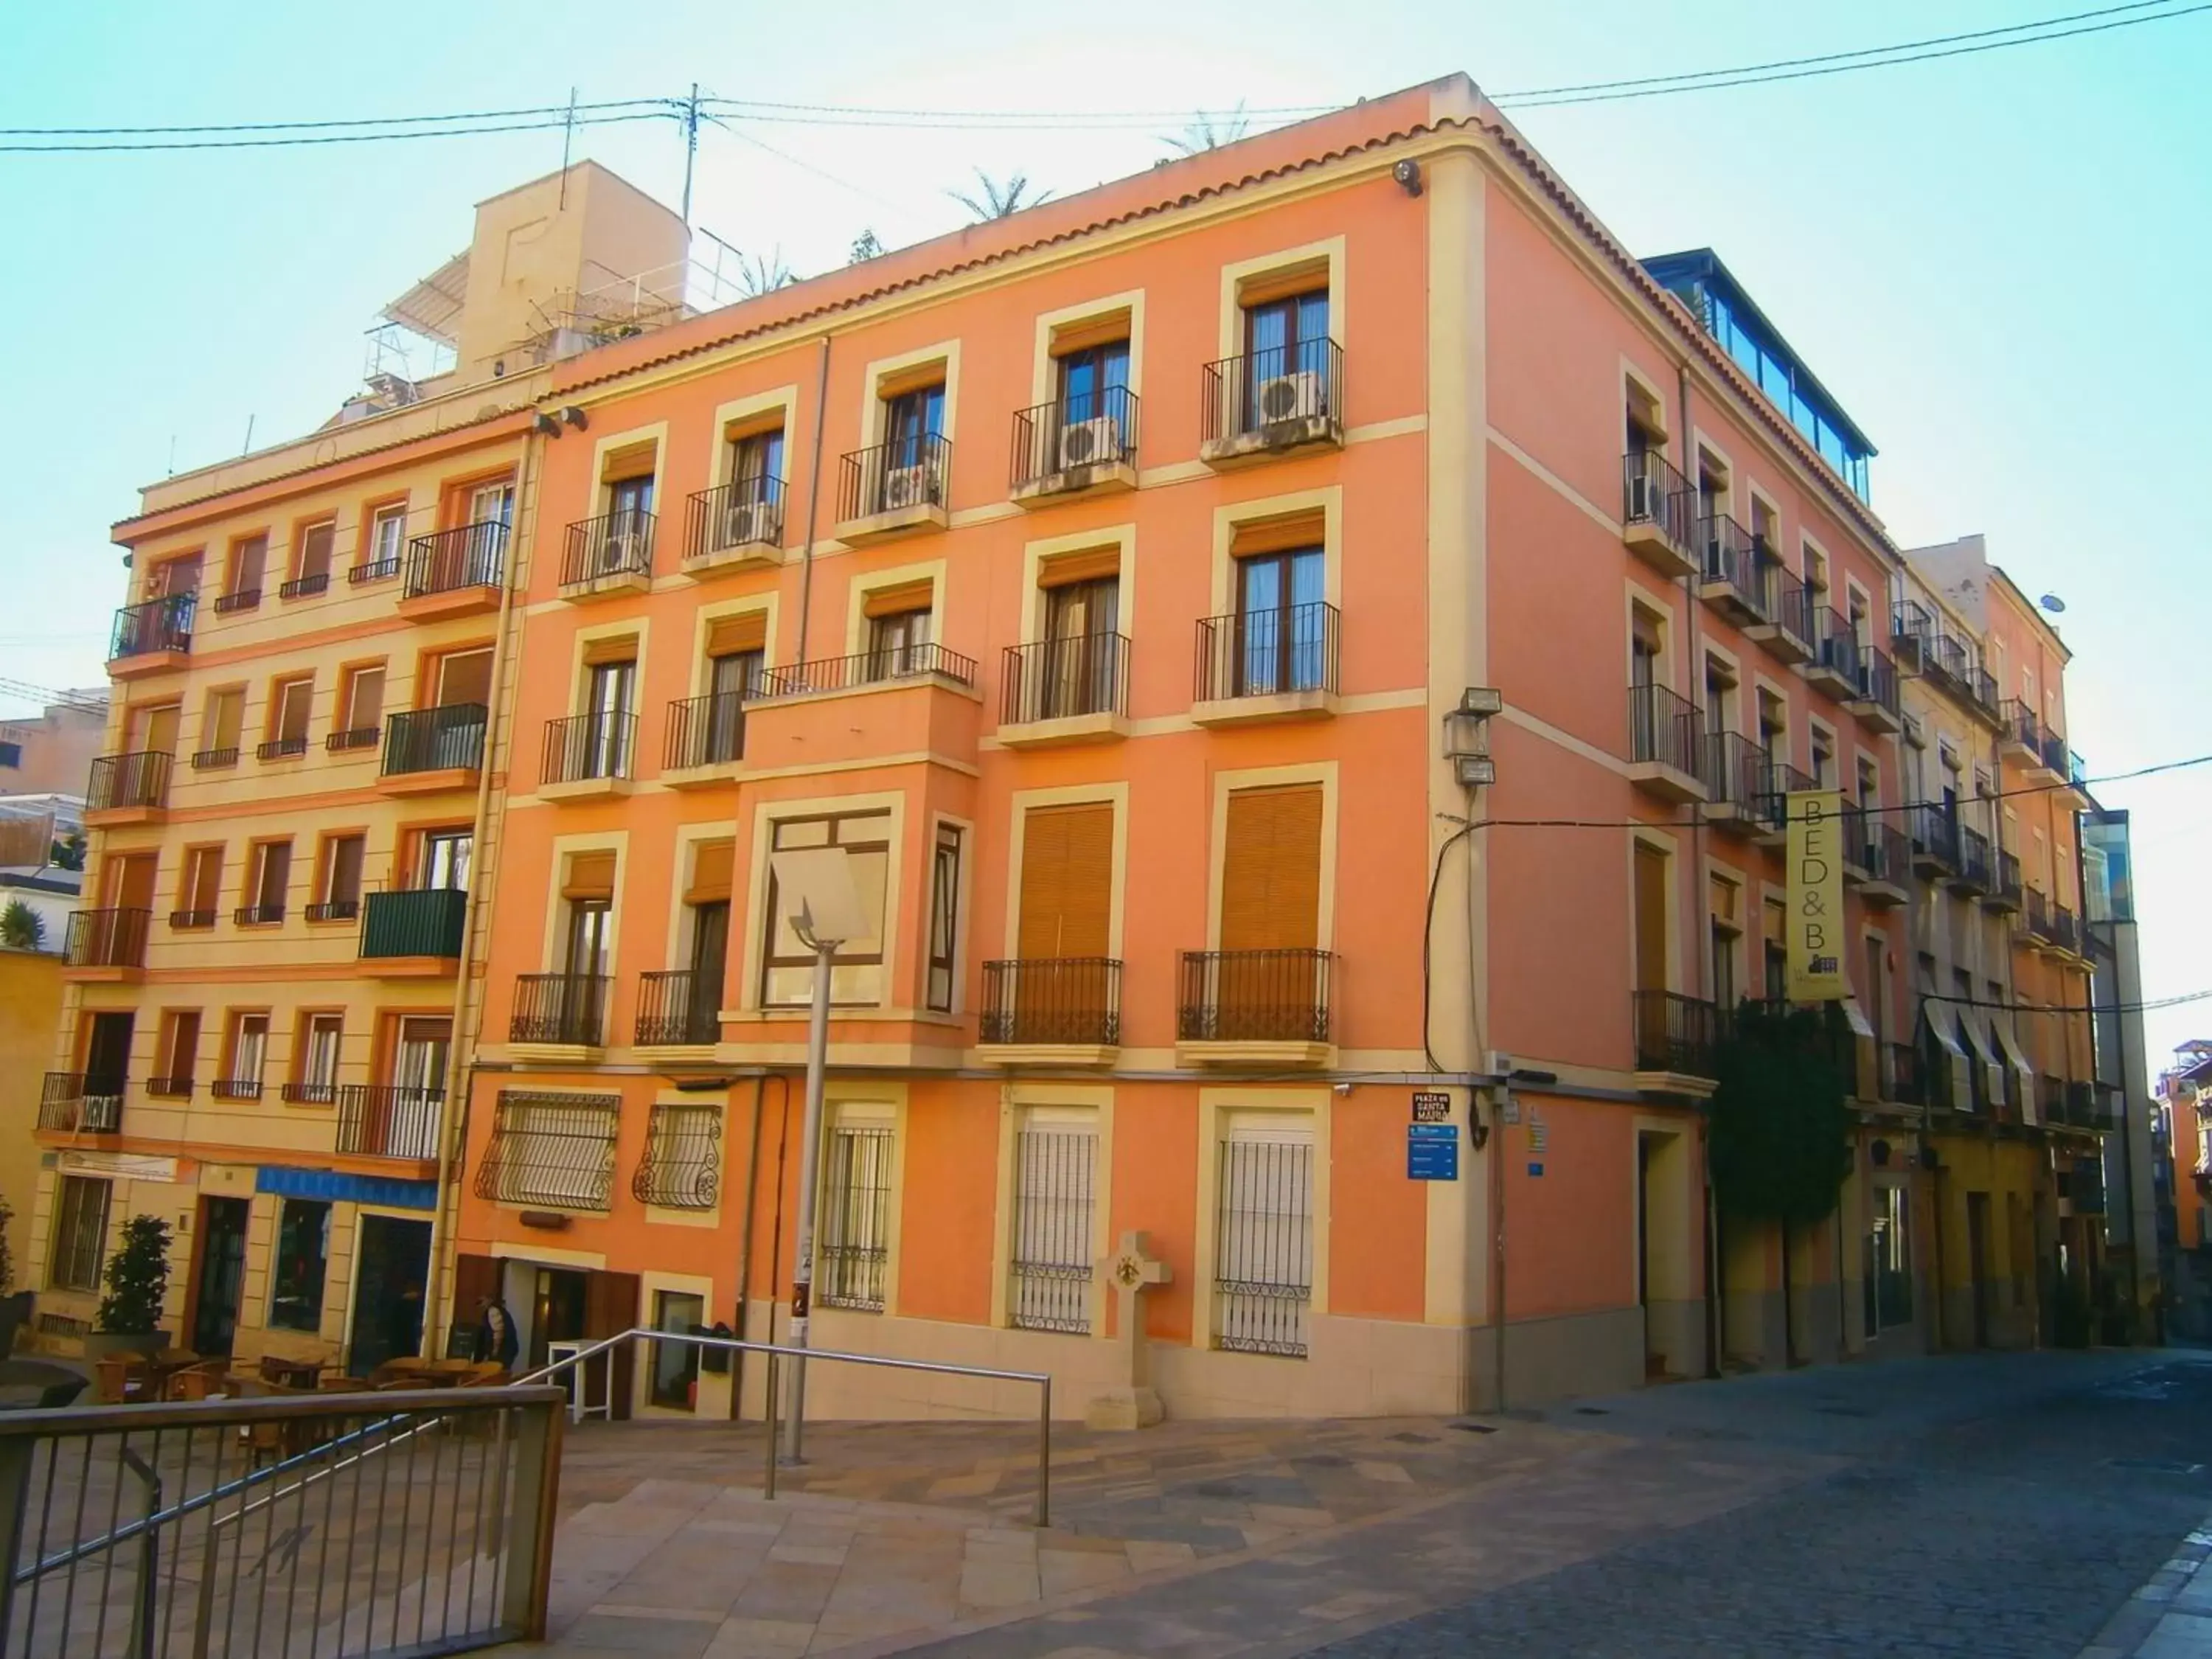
773,1350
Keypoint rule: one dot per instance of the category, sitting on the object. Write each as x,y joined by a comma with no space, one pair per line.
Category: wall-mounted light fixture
1466,738
575,418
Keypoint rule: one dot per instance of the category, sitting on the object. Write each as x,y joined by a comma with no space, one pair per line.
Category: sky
1994,261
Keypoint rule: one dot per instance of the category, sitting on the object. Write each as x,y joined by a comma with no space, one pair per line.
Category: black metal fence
1877,681
451,736
1263,1246
745,513
682,1169
1735,770
1975,870
561,1008
1291,392
678,1006
108,938
890,477
377,1119
1255,996
866,668
1663,727
157,625
426,921
1265,654
709,731
1675,1033
1064,438
123,781
1778,781
467,555
1934,833
84,1103
1057,679
1055,1214
1789,602
596,744
618,543
1732,554
1052,1000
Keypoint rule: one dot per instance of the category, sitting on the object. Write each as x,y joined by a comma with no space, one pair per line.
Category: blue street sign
1432,1152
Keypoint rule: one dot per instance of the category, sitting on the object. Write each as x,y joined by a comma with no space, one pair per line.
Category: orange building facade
1305,638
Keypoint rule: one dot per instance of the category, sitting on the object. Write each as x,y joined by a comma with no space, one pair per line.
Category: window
442,859
585,953
556,1150
80,1234
178,1055
1765,525
388,536
249,561
1726,933
303,1254
913,421
491,503
321,1038
683,1166
1816,574
289,702
1823,759
199,890
1055,1199
855,1209
360,705
606,728
1712,485
1092,421
339,880
245,1047
11,755
1263,1239
1720,695
221,727
1282,623
676,1364
898,642
1287,341
310,559
856,977
943,918
269,872
1889,1262
1076,667
1645,638
1646,419
1774,726
757,465
464,678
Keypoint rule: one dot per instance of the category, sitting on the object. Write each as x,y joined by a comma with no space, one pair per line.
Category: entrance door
1978,1263
387,1292
222,1274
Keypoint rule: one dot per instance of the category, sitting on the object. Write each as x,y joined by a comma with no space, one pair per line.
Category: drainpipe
458,1068
745,1242
813,498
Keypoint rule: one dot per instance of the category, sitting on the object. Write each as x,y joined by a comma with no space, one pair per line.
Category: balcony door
107,1052
155,729
608,697
1284,338
1279,621
419,1053
1067,879
1081,620
911,419
492,504
445,861
585,951
1266,980
1091,382
130,881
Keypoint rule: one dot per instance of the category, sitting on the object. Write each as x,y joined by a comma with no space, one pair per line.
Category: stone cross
1131,1270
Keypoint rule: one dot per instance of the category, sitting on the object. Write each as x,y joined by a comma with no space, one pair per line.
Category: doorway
221,1276
387,1293
1978,1263
556,1311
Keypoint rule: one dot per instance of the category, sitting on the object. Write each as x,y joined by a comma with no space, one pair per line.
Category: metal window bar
596,744
467,555
561,1008
353,736
864,668
136,780
1736,769
1059,999
80,1236
389,1121
1062,440
301,587
370,1524
1281,393
376,570
1877,680
1055,1198
1788,603
241,598
448,737
1245,996
855,1237
891,478
157,625
1266,653
682,1169
1263,1247
281,749
1057,679
554,1150
746,513
709,731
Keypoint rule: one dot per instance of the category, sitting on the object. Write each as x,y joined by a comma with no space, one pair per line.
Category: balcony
301,587
455,572
1078,447
1934,839
2004,893
185,921
1254,1008
259,915
2021,734
706,740
587,756
214,760
70,1102
282,749
375,570
238,600
106,944
896,488
1977,870
1734,770
1052,1011
2077,782
918,700
2065,935
127,789
1267,666
1888,861
1912,631
679,1008
1876,703
353,740
1665,756
1786,628
151,636
866,668
734,525
1834,666
2053,752
429,750
1676,1040
413,932
566,1012
2035,917
235,1088
1732,579
1275,402
1781,781
308,1094
1982,689
1065,691
169,1088
381,1120
1657,510
344,909
609,554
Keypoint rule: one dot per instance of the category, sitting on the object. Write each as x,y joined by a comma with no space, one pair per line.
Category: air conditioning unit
905,486
1291,398
619,550
747,521
1086,443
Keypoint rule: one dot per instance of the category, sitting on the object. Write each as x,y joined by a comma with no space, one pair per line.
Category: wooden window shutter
1091,566
1651,877
1308,277
1067,881
591,876
464,677
1108,328
630,461
899,601
710,873
745,631
622,648
1275,535
1271,870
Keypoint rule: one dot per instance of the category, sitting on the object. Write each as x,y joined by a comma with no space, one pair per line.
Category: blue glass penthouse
1701,282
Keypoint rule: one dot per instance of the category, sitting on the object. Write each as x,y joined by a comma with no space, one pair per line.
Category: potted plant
137,1278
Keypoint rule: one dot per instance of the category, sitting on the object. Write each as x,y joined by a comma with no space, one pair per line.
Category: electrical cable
293,142
309,126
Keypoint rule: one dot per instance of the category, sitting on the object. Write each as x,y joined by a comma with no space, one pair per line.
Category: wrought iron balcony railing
108,938
678,1007
709,731
1072,434
384,1120
748,511
890,477
83,1103
613,545
597,744
866,668
1255,996
1662,727
1675,1033
467,555
1653,492
448,737
1265,654
1057,679
156,626
569,1009
1281,388
128,780
1064,1000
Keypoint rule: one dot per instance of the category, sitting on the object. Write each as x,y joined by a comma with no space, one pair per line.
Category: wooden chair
121,1379
197,1382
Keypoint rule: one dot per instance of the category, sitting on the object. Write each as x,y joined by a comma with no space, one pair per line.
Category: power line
309,126
291,141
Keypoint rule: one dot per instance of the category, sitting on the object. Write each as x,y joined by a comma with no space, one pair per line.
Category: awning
1942,1020
1973,1023
1866,1053
433,306
2020,1069
1855,1016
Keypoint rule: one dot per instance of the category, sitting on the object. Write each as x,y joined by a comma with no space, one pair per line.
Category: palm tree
866,246
999,201
764,273
21,928
1204,132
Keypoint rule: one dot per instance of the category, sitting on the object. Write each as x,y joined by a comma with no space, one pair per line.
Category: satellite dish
2052,603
